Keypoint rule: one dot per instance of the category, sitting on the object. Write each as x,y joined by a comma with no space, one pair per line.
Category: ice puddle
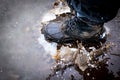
69,56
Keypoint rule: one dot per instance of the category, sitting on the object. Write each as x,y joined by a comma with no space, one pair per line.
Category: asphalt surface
21,55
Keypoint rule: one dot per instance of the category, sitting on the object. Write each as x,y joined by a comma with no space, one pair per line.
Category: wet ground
21,55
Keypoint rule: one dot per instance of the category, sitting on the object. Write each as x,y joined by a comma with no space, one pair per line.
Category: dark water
23,58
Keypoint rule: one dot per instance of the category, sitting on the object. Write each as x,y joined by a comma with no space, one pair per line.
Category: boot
73,30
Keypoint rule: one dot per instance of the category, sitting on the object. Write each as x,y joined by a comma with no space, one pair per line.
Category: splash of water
50,48
71,56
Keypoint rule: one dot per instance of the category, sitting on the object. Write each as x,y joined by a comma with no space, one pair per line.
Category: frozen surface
21,55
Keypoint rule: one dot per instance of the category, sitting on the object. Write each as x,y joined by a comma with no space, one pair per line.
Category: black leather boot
73,30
